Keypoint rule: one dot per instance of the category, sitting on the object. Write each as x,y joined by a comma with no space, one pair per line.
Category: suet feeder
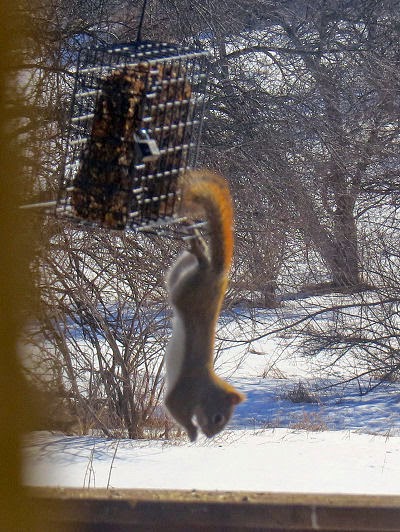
136,118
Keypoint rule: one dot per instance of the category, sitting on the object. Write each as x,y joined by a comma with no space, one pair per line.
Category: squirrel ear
235,397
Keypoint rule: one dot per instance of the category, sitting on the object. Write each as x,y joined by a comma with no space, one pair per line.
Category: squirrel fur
196,284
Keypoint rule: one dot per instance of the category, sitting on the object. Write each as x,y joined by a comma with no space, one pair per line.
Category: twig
112,464
90,470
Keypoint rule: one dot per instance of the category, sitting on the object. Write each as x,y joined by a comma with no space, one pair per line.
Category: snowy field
280,460
339,442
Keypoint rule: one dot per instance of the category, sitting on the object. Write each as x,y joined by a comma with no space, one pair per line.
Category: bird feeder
135,124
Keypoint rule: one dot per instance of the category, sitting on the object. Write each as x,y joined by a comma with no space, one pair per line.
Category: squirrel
196,285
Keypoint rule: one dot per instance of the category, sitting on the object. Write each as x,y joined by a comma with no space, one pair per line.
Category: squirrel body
196,284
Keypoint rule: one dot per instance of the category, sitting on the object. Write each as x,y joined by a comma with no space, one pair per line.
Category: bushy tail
209,192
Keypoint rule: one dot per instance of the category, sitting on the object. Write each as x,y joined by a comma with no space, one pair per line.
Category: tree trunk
338,246
345,263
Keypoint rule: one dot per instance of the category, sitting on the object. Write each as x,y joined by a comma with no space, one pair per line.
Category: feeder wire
139,32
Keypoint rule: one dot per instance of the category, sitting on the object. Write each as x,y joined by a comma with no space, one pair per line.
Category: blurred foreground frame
179,511
15,507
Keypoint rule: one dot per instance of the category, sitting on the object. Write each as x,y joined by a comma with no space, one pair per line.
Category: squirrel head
216,407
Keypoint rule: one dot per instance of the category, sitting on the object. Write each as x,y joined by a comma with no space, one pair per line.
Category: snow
341,442
272,460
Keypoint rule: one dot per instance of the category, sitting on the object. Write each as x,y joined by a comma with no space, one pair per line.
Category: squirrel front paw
192,432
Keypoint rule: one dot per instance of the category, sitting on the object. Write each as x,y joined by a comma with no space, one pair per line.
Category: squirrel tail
210,192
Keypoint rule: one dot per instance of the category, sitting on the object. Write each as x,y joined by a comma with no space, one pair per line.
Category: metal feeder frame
166,136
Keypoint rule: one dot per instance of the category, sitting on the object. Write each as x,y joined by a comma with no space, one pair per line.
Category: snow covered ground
265,460
339,442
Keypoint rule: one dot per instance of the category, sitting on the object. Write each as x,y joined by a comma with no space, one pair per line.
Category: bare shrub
309,421
102,327
301,393
273,372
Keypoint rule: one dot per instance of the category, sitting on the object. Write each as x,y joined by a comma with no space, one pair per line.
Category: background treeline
304,118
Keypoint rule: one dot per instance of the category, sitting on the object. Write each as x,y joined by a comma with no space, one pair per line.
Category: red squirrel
196,284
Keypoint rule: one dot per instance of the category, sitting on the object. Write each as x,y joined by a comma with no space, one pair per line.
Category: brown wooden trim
147,510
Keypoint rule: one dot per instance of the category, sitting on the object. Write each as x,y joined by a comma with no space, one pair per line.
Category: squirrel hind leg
199,249
180,267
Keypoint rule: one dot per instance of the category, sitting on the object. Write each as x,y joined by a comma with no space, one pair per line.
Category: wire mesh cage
136,119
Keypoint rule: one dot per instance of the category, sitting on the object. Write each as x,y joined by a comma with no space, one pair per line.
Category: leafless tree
300,100
303,119
103,328
97,337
